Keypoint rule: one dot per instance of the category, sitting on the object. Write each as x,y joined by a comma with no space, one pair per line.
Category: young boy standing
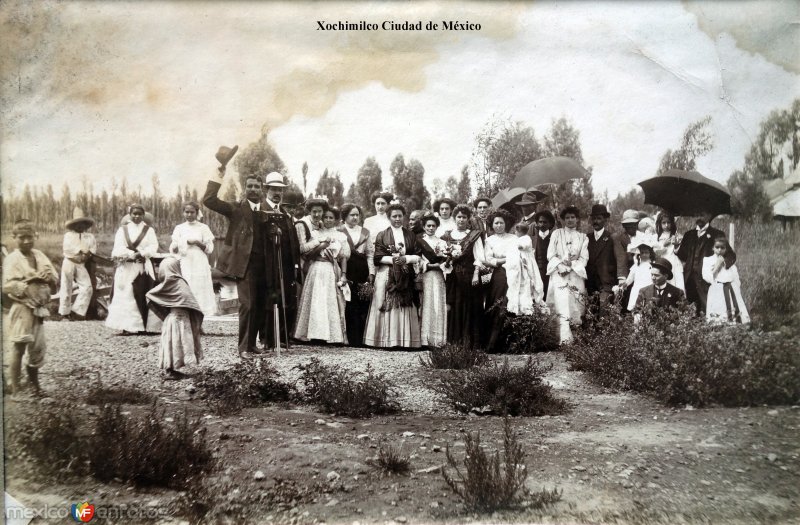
27,277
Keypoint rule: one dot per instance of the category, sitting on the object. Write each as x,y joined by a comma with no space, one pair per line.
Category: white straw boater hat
275,179
77,218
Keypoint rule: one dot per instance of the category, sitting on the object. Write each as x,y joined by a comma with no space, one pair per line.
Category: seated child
172,301
27,279
725,303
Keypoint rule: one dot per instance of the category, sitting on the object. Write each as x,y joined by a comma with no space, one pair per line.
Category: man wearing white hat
630,227
78,248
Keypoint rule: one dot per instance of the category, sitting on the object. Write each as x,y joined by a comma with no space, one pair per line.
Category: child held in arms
524,282
28,276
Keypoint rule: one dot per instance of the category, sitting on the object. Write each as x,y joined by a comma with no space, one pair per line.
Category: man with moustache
607,265
695,246
545,222
660,294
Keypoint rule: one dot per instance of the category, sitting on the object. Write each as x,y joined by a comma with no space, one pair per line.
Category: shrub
49,438
453,356
348,393
392,460
101,395
524,334
487,484
680,359
147,450
500,389
246,384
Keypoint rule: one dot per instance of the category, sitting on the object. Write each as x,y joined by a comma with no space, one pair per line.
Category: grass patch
524,334
392,460
452,356
102,395
344,392
246,384
680,359
150,450
501,389
488,483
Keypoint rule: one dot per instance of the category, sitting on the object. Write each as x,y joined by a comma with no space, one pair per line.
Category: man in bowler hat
607,265
660,294
545,222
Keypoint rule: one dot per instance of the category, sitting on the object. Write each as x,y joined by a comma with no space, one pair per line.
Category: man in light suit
607,265
695,246
660,294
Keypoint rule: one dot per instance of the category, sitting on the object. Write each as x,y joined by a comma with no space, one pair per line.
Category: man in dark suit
660,294
696,245
545,222
607,265
243,255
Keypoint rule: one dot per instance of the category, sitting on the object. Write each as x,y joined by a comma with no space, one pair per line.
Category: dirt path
618,458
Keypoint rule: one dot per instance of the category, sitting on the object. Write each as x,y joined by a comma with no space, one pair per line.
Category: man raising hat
607,264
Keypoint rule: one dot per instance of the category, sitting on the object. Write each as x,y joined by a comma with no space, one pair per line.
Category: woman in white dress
668,242
444,207
193,242
134,244
433,310
380,221
393,320
321,314
567,256
497,246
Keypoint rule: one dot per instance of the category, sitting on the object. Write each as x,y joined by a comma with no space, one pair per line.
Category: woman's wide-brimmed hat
570,209
78,217
664,265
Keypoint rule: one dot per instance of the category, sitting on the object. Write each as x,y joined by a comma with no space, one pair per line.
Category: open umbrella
512,195
550,170
686,193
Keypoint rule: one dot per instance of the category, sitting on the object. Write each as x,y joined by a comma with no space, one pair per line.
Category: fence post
731,235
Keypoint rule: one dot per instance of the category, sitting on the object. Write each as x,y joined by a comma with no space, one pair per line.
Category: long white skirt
397,327
321,311
566,297
123,314
177,340
433,311
717,309
197,272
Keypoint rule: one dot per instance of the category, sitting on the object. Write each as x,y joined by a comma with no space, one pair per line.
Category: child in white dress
725,302
639,275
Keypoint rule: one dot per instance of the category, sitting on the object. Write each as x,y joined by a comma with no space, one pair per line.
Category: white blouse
498,246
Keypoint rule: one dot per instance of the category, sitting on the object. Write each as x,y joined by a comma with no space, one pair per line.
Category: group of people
395,279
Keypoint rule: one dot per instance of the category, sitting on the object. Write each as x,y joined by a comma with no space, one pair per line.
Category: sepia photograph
387,262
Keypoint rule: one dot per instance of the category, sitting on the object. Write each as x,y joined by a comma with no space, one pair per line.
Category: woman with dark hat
567,256
464,295
79,246
134,244
445,208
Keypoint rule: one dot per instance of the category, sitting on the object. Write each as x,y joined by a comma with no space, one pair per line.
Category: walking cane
283,293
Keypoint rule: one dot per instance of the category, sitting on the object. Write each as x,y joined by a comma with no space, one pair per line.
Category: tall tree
563,140
305,177
259,158
368,181
463,189
501,149
352,195
408,182
697,141
330,185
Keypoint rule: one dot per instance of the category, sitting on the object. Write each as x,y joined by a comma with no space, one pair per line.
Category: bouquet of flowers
449,252
365,291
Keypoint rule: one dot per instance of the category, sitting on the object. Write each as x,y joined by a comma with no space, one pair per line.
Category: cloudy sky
106,90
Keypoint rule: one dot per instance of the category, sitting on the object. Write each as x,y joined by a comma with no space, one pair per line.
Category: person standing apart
28,276
360,273
134,244
567,256
78,248
193,242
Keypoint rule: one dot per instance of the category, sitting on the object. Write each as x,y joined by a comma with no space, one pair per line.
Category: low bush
453,357
488,483
525,334
392,460
149,450
49,438
500,389
680,359
344,392
246,384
